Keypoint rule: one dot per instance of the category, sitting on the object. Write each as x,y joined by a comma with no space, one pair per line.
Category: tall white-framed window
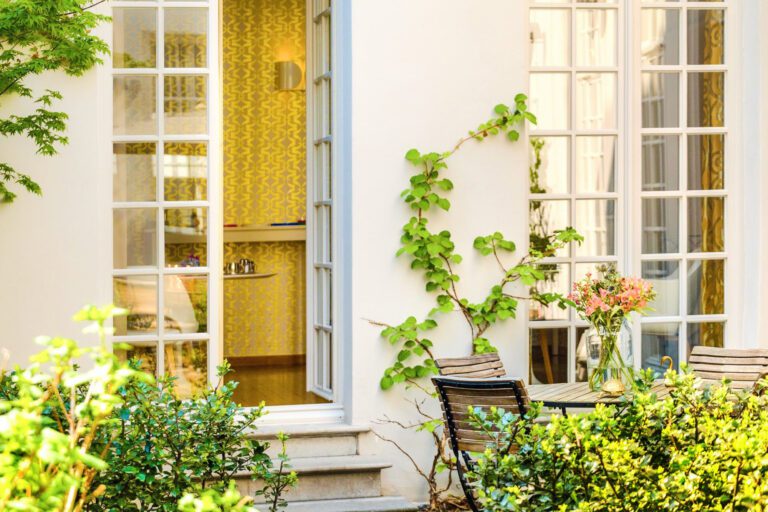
321,185
577,172
164,190
681,137
668,166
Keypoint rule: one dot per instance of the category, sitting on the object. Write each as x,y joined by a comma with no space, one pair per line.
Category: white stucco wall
423,73
54,249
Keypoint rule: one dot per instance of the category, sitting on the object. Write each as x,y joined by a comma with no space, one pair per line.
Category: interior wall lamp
288,76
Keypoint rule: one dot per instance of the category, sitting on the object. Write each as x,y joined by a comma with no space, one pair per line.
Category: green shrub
111,438
698,450
164,446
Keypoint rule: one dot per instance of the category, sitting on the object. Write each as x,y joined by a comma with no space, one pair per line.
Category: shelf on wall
254,233
249,276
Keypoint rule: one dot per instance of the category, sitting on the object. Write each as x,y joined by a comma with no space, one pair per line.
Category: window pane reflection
550,174
185,171
135,105
550,29
660,36
186,37
185,237
557,280
185,105
581,354
706,283
661,162
134,37
665,278
659,340
596,222
706,162
596,41
138,295
708,334
705,36
661,100
706,224
595,164
549,356
134,172
544,218
596,103
661,226
134,237
185,301
187,362
706,107
550,93
144,353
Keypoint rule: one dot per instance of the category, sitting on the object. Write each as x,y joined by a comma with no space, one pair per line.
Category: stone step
311,441
328,478
379,504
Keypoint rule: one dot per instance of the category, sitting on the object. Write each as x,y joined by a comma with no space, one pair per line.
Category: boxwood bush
700,449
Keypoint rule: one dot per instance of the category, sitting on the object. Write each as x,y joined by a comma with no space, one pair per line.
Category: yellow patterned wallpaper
264,129
264,174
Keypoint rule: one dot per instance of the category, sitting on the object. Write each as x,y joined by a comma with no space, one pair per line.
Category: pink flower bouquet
605,303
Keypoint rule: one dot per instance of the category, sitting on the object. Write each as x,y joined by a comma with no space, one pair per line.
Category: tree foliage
37,36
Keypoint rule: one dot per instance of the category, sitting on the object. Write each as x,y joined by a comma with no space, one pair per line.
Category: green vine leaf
433,254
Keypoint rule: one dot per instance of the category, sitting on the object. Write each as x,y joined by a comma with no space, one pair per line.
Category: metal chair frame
464,462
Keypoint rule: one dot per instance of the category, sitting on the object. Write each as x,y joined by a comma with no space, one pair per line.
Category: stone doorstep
269,432
378,504
307,441
325,478
332,464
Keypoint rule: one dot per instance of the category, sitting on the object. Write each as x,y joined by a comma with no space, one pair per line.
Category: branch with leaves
37,36
434,255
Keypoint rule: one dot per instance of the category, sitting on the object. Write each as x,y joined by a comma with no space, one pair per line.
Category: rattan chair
457,395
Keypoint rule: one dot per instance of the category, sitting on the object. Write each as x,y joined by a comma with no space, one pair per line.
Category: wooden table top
578,395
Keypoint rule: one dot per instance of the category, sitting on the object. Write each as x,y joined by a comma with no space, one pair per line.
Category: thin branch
404,452
83,9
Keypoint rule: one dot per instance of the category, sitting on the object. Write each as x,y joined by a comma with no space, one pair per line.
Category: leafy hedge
698,450
82,431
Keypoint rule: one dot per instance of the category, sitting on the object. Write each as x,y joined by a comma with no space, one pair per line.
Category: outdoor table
577,395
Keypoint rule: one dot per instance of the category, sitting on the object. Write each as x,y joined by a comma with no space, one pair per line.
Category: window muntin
576,91
161,237
676,228
320,223
683,194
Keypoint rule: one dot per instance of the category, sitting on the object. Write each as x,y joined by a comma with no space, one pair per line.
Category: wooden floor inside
284,384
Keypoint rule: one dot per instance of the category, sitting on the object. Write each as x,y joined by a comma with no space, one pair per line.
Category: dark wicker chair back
482,366
456,396
744,367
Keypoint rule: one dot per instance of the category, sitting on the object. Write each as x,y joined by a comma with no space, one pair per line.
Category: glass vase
609,359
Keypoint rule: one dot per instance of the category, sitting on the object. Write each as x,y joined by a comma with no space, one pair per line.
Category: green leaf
413,156
513,135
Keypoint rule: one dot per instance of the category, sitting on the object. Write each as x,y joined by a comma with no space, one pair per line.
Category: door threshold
303,414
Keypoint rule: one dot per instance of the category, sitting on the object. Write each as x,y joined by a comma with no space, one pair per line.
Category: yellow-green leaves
701,449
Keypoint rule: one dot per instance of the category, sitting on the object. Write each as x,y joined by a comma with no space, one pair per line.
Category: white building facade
654,122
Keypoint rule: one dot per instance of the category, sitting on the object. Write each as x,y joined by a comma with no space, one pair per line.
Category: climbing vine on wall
434,255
